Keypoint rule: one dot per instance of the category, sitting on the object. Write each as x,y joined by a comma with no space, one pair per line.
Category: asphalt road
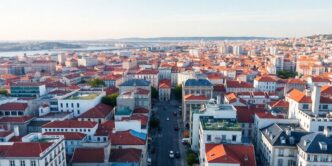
167,139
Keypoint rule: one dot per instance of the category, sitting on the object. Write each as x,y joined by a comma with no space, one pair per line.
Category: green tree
154,123
4,92
154,93
191,158
110,99
286,74
178,92
97,82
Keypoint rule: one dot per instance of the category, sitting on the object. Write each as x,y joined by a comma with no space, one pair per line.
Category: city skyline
104,19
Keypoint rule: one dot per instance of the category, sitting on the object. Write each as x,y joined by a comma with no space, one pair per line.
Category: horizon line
152,37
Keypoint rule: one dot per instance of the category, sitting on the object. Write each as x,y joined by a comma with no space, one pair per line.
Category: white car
171,154
148,161
167,118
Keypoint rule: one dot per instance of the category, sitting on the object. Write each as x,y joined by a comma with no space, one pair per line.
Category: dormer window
322,146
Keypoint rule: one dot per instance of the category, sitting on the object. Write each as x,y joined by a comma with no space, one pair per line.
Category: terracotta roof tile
230,154
99,111
148,71
125,138
165,84
88,155
21,119
195,97
26,149
13,106
246,114
70,124
140,111
105,128
125,155
299,96
266,79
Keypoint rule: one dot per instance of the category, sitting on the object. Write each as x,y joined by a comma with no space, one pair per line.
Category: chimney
327,132
218,99
308,92
315,98
107,151
16,131
288,131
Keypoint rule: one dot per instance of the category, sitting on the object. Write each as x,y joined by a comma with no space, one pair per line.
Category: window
325,107
315,158
78,105
61,105
324,158
22,163
223,137
33,163
291,163
320,128
12,163
66,105
72,105
233,137
305,106
280,162
281,152
208,138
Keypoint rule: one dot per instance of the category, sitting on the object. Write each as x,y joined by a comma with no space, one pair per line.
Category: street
167,138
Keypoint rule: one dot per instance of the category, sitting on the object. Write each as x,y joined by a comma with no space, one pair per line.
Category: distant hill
192,38
35,46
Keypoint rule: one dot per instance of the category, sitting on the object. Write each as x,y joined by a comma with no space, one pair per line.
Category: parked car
149,161
171,154
177,154
185,141
176,128
167,118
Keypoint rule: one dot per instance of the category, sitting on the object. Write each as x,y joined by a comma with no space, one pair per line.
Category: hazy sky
102,19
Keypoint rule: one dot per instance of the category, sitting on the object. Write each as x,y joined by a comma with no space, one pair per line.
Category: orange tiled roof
299,96
230,154
195,97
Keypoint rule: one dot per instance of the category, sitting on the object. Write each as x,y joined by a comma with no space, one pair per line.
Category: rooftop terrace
82,96
210,123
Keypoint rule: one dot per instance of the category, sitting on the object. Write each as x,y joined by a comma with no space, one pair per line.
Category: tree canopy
97,82
110,99
154,122
4,92
154,93
178,92
286,74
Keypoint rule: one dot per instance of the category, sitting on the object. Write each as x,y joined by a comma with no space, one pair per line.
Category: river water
16,53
